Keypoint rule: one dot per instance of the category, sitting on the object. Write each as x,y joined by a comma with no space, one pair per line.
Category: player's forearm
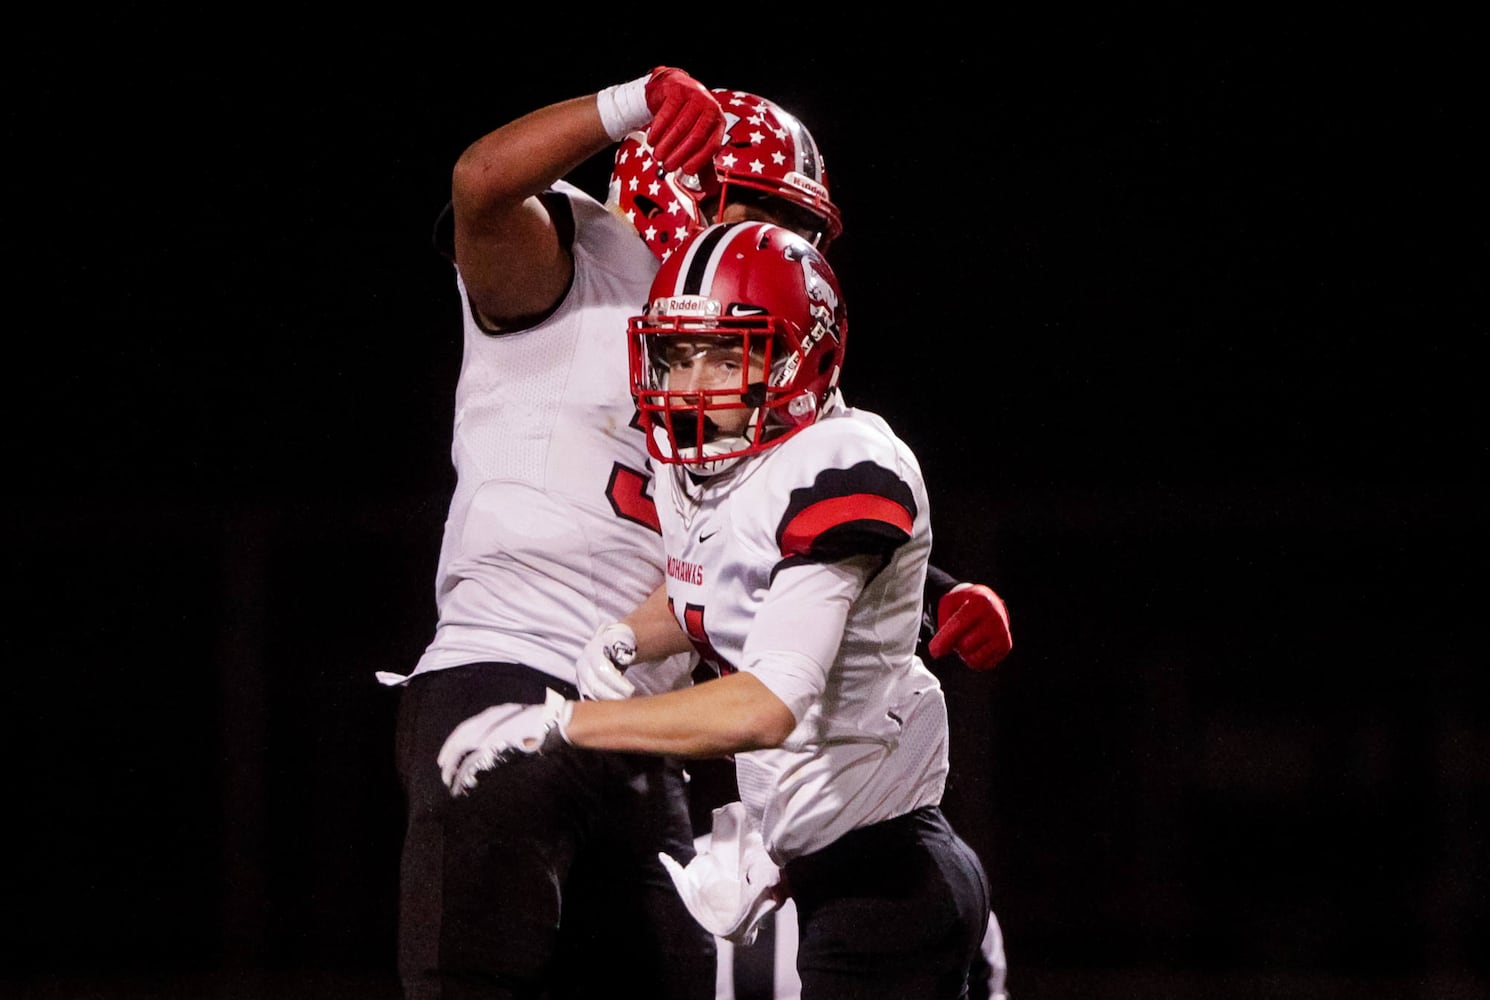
729,715
658,634
526,155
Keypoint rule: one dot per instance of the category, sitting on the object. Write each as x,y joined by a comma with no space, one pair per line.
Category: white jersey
551,530
766,571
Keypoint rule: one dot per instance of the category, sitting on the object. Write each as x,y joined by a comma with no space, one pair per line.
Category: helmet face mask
706,389
740,346
762,204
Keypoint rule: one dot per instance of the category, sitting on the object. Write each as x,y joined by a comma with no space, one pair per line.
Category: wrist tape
623,107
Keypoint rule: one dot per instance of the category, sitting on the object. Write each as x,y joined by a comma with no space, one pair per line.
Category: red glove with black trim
972,621
687,122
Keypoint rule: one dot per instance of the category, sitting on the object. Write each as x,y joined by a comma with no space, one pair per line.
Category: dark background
1166,304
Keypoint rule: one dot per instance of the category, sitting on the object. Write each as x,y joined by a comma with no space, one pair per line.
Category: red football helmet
740,347
662,207
767,156
766,149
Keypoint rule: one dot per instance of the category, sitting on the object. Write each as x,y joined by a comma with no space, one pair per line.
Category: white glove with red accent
733,884
972,619
598,669
501,734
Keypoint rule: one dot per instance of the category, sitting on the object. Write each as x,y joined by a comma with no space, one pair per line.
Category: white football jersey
551,530
805,566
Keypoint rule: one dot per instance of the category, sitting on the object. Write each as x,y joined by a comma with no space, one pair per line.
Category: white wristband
556,714
623,108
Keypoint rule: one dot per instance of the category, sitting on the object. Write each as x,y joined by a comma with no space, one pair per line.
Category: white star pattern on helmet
767,149
660,208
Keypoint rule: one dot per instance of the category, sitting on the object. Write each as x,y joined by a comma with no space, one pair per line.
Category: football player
797,534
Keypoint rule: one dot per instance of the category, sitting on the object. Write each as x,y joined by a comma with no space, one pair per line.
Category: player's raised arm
507,246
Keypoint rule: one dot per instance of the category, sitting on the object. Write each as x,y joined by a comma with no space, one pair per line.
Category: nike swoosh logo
704,538
737,309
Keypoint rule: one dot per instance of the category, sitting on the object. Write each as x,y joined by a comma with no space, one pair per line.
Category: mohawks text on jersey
686,571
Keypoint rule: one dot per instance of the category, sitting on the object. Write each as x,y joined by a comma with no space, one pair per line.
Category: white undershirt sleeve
796,634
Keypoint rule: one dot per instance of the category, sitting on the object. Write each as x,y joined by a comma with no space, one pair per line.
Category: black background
1166,304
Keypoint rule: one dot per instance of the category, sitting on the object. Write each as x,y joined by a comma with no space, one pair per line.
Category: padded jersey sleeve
845,496
844,509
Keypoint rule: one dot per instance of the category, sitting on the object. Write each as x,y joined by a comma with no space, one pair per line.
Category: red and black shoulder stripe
862,510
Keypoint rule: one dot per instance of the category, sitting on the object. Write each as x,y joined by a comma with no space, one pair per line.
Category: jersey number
713,664
628,496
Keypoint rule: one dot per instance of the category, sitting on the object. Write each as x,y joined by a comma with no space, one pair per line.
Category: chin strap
707,467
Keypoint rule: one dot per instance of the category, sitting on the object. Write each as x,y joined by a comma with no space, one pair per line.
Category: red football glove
687,123
972,620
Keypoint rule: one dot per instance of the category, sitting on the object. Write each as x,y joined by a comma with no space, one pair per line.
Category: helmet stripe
703,259
697,265
808,159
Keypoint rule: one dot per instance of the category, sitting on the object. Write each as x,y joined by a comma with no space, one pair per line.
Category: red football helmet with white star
766,154
766,149
662,207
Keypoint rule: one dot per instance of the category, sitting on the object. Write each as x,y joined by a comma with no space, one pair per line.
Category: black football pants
891,911
542,881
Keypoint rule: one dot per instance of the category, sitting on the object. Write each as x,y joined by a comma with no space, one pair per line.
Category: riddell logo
807,184
685,305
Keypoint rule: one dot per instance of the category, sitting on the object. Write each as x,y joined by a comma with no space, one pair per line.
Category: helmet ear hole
661,207
646,206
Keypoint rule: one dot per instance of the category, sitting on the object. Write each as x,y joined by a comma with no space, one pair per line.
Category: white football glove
600,663
500,734
733,884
